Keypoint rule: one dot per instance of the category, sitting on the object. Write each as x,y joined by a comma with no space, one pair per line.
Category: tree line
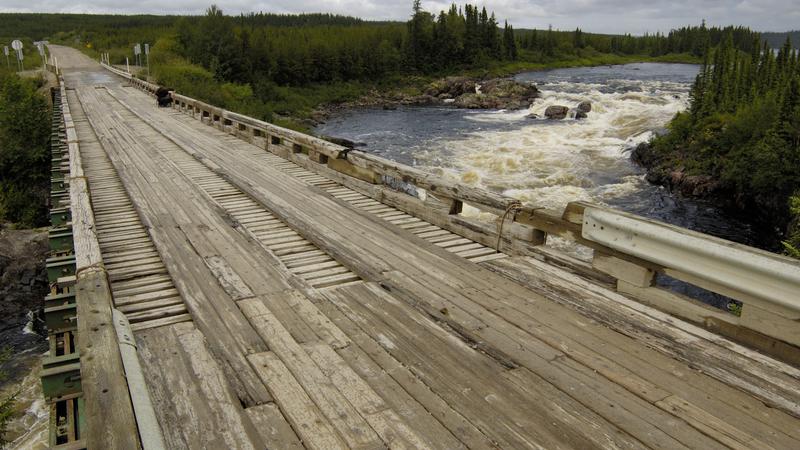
298,50
743,129
775,40
692,40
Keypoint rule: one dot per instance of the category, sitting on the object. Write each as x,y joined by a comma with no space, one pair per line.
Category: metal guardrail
629,248
755,273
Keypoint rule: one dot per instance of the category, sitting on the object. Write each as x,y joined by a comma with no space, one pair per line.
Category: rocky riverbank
675,178
457,92
23,285
673,171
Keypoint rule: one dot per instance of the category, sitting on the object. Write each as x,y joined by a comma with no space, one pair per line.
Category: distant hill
776,40
41,25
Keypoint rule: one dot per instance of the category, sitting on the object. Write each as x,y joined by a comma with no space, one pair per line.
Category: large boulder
644,155
507,88
452,87
479,101
556,112
582,110
501,93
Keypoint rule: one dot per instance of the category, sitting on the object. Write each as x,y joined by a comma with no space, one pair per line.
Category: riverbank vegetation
740,137
24,150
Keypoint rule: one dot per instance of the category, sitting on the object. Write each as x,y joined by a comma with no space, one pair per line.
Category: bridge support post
623,270
317,157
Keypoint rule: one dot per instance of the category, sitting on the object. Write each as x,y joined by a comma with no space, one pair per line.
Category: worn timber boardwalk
275,306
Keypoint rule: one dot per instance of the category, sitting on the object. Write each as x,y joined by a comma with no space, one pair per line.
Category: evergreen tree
578,40
549,46
493,44
509,42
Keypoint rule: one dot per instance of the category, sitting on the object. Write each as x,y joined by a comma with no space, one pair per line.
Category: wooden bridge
220,282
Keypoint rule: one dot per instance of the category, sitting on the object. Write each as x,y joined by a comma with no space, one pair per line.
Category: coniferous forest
272,65
742,131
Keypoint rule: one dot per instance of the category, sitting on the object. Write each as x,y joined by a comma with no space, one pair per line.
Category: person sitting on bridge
164,96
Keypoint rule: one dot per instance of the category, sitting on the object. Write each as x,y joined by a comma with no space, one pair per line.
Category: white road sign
16,44
5,50
137,49
146,49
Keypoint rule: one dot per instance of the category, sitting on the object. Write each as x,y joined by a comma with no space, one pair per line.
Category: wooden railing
629,249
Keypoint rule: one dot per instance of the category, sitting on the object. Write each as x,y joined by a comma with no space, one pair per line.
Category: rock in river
499,93
556,112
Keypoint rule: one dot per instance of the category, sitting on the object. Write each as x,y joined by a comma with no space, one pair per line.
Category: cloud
606,16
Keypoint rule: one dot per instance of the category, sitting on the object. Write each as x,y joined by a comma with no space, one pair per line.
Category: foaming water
28,428
550,163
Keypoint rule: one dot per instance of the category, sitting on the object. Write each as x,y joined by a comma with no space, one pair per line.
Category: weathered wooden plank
193,401
317,321
109,412
389,426
310,424
457,367
772,381
428,413
228,279
273,427
725,432
350,425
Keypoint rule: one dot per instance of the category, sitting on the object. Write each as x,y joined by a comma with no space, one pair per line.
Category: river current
550,163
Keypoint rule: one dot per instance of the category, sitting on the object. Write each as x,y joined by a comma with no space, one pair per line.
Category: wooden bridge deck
274,307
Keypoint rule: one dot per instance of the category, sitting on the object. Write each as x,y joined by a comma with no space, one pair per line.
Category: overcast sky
609,16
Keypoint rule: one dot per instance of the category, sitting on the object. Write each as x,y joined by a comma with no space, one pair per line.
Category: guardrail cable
515,207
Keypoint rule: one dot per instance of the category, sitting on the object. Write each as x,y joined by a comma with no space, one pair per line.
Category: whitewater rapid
550,163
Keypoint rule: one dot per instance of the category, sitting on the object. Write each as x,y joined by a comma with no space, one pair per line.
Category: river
551,163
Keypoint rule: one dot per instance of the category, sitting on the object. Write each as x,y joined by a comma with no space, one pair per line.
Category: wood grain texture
109,411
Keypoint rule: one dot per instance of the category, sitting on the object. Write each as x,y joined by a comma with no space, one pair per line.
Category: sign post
8,61
16,44
127,65
147,56
40,46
